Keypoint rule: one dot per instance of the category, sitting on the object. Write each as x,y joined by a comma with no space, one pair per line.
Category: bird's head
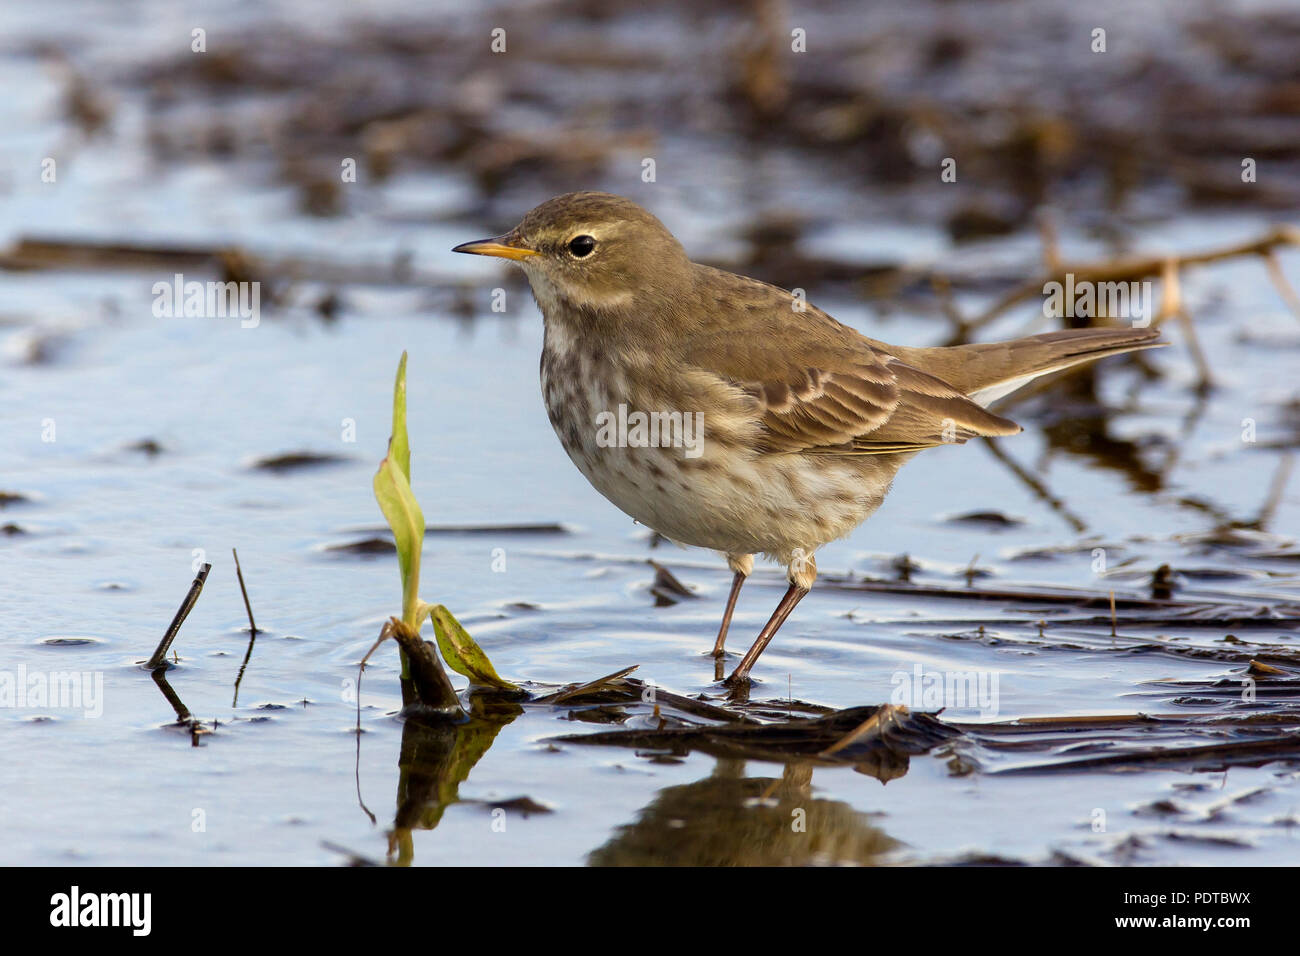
591,251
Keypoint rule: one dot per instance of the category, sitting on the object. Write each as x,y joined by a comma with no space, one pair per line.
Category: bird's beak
508,246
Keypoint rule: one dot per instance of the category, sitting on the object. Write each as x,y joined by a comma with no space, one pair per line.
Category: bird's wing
821,388
866,408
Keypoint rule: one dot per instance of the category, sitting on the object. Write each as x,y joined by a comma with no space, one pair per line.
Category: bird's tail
989,371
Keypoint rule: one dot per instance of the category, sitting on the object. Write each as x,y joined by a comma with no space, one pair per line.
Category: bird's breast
681,459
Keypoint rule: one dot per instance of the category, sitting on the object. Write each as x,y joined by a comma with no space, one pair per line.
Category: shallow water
107,541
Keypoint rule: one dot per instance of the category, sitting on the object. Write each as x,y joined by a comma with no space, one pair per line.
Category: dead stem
1275,490
252,630
160,653
1135,268
432,690
385,632
574,690
1172,305
1037,486
248,654
252,627
1284,288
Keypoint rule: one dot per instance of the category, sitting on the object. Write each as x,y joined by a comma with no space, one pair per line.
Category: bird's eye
581,246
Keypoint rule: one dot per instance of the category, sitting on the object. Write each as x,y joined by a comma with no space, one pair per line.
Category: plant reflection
437,755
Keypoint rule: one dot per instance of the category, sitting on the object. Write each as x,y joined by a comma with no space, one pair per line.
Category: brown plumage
804,421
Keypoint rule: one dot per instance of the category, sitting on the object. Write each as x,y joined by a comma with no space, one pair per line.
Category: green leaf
399,445
461,653
392,486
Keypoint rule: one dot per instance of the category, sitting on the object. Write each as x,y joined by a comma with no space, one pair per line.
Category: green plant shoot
396,500
392,486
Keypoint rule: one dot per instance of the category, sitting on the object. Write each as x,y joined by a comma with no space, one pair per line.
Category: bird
729,414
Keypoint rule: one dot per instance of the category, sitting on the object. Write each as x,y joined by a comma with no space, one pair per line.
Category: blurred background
335,152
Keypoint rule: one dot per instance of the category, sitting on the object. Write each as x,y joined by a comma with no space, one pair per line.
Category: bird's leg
742,565
792,597
801,575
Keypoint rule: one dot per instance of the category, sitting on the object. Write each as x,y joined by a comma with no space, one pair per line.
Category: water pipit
729,414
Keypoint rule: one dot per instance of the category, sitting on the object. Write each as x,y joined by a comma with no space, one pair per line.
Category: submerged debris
296,461
666,588
875,740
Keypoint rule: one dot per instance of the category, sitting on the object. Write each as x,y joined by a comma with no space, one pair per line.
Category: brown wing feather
820,387
824,408
847,413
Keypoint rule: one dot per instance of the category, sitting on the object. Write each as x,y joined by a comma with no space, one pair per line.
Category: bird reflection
729,819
